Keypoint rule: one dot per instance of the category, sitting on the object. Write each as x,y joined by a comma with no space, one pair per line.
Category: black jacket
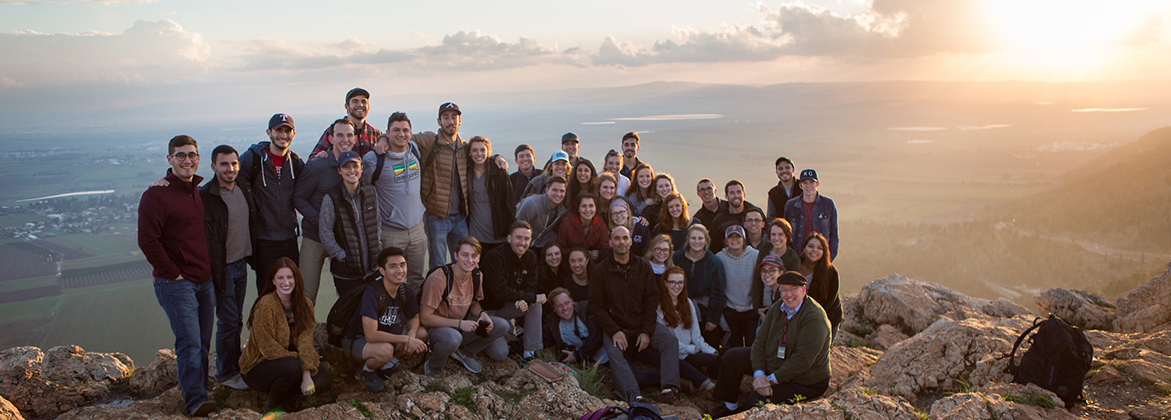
215,224
723,220
277,219
777,197
590,345
508,278
500,196
624,300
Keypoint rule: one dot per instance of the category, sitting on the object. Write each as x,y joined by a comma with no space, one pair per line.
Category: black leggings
737,363
742,325
281,378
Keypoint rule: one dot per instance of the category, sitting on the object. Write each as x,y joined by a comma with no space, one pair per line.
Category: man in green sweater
789,358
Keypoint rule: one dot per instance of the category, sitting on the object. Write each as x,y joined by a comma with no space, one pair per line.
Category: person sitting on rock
280,358
387,322
458,326
577,337
790,356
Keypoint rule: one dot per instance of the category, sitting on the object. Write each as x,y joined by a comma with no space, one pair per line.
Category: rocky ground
907,350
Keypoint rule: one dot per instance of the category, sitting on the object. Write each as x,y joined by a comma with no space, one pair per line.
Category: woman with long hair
280,358
705,279
578,279
779,235
613,165
663,185
681,315
823,278
640,192
582,179
659,252
619,215
552,268
674,221
584,229
607,191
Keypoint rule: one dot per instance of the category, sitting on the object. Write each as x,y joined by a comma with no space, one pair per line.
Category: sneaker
204,409
432,372
235,382
371,380
707,385
668,396
469,362
527,355
722,411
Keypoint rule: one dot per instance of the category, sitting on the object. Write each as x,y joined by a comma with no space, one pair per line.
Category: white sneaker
235,382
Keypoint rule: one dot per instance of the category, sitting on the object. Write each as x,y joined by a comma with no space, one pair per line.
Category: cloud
732,43
147,51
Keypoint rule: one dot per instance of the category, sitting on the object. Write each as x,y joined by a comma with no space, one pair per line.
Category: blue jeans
229,324
191,308
442,234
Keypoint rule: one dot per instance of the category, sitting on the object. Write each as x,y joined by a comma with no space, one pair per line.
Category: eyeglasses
186,156
753,220
674,283
769,271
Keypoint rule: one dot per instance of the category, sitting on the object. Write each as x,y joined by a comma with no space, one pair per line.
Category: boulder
850,366
1001,401
1160,342
853,403
911,305
73,366
67,377
1080,308
159,375
9,411
885,337
1004,308
853,319
948,356
1146,307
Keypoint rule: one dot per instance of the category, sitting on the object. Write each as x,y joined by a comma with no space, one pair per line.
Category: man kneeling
389,316
790,356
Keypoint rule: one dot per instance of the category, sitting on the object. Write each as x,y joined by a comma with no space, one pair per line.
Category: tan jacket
268,337
436,182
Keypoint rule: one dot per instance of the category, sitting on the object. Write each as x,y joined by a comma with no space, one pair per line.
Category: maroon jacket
572,234
170,230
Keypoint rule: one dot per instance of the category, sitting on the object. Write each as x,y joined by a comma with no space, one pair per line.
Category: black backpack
447,271
339,322
1057,360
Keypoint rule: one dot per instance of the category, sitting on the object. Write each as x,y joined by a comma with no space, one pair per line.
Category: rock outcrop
1147,307
1079,308
44,384
9,411
159,375
911,306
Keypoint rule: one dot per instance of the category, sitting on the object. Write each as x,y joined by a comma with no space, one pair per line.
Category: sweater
739,276
545,220
691,338
572,234
319,177
807,342
268,337
400,204
789,258
171,230
705,278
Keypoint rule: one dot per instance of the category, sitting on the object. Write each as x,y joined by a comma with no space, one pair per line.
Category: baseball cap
449,106
773,261
559,155
734,229
569,137
791,277
808,174
355,92
347,157
279,120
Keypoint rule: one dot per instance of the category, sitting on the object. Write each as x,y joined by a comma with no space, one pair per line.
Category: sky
78,55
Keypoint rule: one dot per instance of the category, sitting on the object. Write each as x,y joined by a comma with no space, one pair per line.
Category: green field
29,283
97,245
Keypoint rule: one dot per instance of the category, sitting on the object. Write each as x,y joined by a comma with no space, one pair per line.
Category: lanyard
784,332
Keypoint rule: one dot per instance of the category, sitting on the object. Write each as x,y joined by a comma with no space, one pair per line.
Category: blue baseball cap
559,155
808,174
347,157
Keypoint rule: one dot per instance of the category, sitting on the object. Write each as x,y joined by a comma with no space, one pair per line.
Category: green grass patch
97,245
361,408
435,386
590,382
463,396
28,283
103,260
845,414
859,342
1043,401
513,397
869,391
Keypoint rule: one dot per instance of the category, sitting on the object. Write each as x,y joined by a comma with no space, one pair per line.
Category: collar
789,313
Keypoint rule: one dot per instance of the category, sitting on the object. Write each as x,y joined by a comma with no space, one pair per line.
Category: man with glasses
712,205
172,238
789,358
271,167
754,228
320,177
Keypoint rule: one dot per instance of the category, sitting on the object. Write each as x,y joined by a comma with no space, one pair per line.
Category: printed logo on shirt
390,317
407,171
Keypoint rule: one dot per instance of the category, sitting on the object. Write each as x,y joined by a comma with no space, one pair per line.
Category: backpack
447,271
339,322
1057,360
638,411
382,161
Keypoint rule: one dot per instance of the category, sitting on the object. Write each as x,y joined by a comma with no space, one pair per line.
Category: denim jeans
442,234
229,324
190,307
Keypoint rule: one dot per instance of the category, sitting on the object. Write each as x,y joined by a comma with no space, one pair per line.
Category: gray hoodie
397,186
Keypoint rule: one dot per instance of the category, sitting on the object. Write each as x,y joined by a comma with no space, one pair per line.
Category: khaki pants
414,242
312,258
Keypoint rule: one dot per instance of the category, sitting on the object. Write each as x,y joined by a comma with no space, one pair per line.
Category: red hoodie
170,230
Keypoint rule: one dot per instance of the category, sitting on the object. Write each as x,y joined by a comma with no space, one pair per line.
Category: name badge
780,352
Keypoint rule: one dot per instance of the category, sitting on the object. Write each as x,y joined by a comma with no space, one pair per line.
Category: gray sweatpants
445,340
532,322
667,345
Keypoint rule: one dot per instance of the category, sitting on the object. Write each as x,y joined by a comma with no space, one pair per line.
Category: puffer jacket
449,153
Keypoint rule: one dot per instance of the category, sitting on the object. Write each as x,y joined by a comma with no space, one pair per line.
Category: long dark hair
635,192
821,267
550,277
673,315
302,310
576,188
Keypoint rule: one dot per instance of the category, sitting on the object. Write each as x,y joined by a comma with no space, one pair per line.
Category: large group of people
596,264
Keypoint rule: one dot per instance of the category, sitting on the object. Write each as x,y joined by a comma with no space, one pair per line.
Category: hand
643,341
415,345
649,201
707,326
567,357
466,325
161,182
620,340
320,154
643,221
501,163
762,311
542,299
761,385
522,305
484,317
307,387
381,145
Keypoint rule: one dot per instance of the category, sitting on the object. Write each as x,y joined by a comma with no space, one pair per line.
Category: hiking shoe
432,372
204,409
371,380
707,385
235,382
469,362
668,396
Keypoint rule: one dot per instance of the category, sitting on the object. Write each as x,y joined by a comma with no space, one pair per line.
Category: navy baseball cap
569,137
356,92
449,106
347,157
808,174
280,120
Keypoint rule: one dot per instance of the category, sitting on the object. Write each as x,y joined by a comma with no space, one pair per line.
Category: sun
1044,25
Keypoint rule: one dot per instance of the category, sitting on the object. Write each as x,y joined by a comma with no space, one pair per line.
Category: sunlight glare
1041,24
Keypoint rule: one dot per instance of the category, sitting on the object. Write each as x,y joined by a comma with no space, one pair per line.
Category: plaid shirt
365,142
